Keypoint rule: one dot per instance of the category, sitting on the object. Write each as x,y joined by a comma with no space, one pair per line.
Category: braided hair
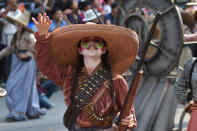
78,68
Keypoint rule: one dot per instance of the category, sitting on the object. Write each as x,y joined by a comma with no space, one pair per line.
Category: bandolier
82,100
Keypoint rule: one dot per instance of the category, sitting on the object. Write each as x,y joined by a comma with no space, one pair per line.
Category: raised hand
42,24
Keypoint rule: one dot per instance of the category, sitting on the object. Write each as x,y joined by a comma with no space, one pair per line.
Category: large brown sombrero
122,44
21,19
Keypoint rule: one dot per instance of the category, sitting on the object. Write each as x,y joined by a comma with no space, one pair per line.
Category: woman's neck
91,63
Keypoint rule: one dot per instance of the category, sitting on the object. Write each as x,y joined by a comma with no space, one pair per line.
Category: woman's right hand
42,24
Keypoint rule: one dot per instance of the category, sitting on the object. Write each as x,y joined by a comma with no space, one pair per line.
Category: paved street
53,120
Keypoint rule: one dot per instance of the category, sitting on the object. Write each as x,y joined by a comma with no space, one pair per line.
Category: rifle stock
131,99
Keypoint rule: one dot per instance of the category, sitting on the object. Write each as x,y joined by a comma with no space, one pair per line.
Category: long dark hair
14,39
79,67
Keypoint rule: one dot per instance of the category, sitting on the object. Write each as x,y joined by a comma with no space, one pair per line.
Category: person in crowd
90,16
41,6
22,95
63,4
110,18
74,17
8,30
84,6
107,6
36,7
48,6
85,59
46,88
58,20
96,5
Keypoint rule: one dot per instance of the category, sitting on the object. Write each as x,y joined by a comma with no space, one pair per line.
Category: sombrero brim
15,21
122,44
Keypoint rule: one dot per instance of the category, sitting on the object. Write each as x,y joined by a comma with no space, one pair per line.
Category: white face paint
92,50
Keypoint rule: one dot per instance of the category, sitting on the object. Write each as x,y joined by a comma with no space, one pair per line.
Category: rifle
136,76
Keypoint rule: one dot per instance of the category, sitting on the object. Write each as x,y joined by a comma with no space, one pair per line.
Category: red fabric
62,75
100,9
82,16
193,122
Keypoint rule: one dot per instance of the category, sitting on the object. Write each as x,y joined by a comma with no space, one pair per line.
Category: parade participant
184,84
86,60
22,96
8,30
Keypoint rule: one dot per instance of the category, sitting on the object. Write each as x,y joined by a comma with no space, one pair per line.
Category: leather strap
99,95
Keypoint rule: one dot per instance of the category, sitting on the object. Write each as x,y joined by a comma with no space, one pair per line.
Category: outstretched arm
45,62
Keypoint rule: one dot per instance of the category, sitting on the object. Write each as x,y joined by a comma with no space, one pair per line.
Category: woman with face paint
22,96
87,60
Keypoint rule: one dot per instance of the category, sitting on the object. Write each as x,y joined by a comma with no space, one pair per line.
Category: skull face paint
88,42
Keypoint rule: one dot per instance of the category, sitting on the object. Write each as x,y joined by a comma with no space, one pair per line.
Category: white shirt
107,9
8,28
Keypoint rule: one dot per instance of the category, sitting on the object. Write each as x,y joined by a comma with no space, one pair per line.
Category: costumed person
8,30
86,60
22,95
186,88
184,84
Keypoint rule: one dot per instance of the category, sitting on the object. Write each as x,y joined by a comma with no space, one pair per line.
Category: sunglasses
98,42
